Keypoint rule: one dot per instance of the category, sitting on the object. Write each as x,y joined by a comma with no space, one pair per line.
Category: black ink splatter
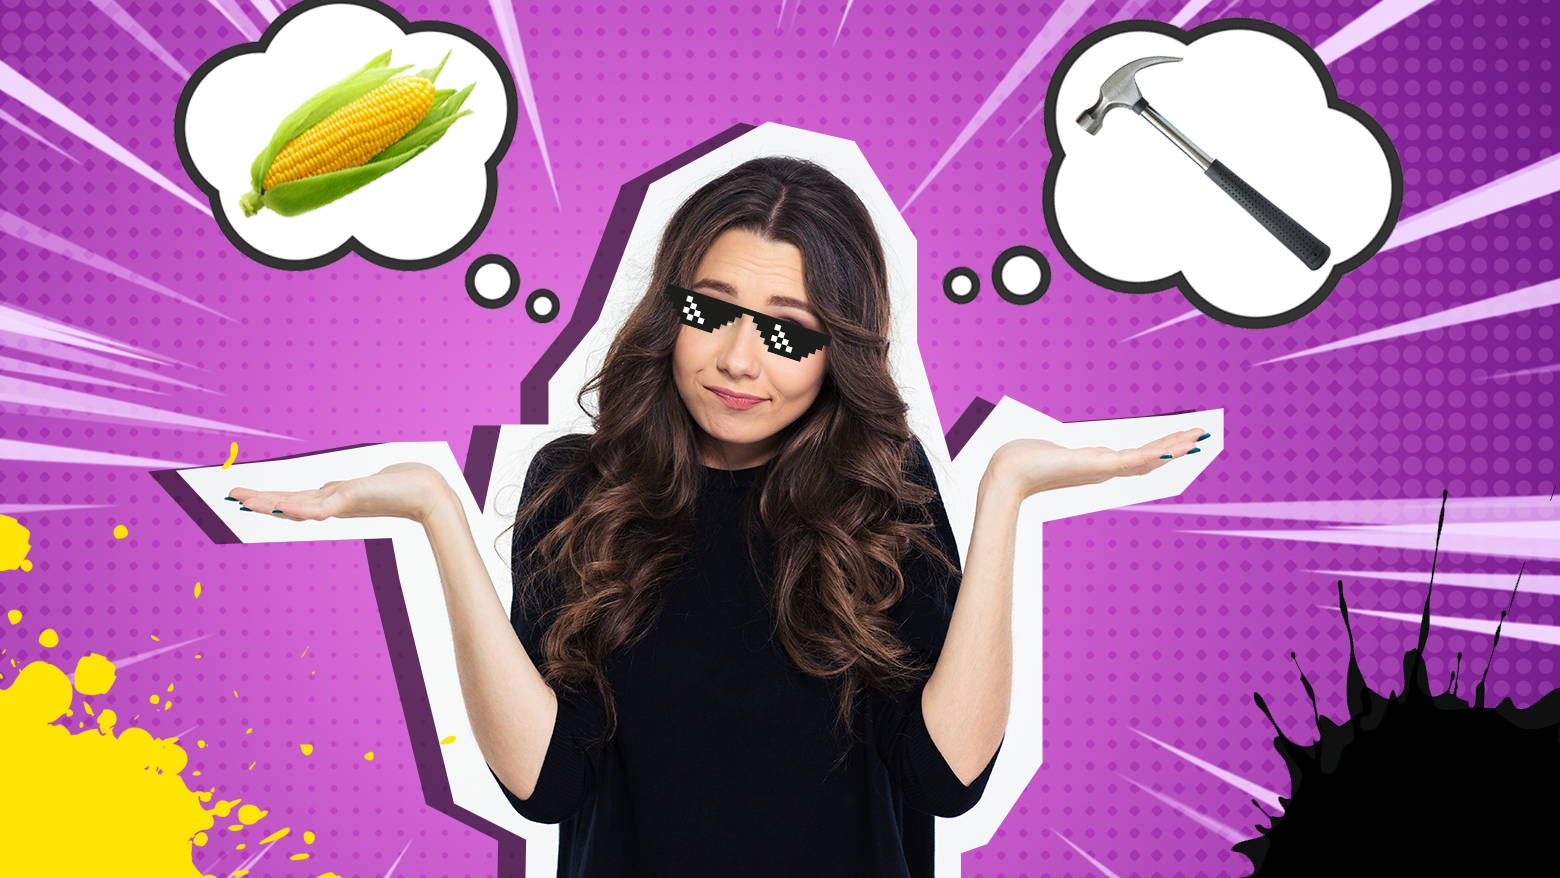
1416,783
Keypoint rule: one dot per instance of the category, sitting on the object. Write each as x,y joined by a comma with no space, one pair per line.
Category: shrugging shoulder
898,735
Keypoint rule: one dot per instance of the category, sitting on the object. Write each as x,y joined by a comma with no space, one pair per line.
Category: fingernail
243,508
1203,436
234,499
1166,456
276,512
1194,451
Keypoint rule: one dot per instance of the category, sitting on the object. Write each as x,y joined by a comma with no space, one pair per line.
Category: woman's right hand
402,490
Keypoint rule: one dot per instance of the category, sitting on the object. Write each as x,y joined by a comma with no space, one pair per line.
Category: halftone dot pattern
1149,627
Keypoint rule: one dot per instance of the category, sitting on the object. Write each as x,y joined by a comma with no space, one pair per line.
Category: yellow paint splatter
247,731
49,638
252,766
298,857
232,455
240,847
124,794
449,740
276,836
155,699
369,756
13,550
94,674
14,616
120,531
170,687
306,748
236,828
201,744
304,653
308,838
197,594
240,873
169,705
155,637
250,815
200,839
329,875
224,808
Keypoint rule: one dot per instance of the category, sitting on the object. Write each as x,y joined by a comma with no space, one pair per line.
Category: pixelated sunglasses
784,337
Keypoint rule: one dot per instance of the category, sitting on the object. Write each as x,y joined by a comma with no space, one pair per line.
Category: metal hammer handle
1291,234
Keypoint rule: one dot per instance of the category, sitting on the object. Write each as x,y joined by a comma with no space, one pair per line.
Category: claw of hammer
1120,90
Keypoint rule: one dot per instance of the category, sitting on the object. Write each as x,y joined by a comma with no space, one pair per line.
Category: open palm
1029,466
402,490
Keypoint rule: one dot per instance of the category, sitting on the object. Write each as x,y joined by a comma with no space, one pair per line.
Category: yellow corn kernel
355,133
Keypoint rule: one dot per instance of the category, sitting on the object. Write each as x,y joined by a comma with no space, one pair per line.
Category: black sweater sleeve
574,753
931,588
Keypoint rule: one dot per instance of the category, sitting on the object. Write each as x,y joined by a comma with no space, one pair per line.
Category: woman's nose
741,347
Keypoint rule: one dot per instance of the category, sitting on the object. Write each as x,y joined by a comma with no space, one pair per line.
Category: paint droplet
201,744
247,731
277,835
170,687
224,808
306,748
252,766
106,720
169,705
250,815
200,839
299,857
14,546
329,875
236,828
240,873
120,531
232,455
369,756
155,699
197,594
48,639
94,674
449,740
240,847
308,838
15,616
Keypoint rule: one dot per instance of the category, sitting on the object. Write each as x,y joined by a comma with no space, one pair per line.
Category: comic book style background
137,338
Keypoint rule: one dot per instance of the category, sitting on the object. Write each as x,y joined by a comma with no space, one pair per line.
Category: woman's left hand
1029,466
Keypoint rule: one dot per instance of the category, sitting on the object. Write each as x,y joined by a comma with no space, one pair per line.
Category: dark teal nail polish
1194,451
243,508
234,499
1203,436
276,512
1166,456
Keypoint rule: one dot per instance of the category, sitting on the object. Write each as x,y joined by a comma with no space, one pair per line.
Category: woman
738,644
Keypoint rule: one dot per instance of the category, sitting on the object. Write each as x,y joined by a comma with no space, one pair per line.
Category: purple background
1151,626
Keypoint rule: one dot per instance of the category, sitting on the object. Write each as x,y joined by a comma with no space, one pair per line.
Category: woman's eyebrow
721,286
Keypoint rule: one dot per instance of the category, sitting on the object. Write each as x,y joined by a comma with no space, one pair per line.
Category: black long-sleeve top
726,760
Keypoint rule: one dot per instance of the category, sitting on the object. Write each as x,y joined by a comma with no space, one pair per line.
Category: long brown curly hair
834,502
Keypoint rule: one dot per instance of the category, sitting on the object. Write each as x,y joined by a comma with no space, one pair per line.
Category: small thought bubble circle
961,285
492,281
542,305
1021,275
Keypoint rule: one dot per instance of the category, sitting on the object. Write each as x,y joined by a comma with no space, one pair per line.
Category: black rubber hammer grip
1300,242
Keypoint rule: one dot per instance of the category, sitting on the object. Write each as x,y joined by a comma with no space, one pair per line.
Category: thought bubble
423,212
1136,213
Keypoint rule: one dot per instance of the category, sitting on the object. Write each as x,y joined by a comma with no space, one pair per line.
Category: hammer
1121,90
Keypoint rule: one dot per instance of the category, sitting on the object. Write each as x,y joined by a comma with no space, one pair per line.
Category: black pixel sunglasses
784,337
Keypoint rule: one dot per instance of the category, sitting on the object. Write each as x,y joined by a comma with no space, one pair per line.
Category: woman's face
739,393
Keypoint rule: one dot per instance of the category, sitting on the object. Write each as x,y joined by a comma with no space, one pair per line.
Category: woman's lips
740,403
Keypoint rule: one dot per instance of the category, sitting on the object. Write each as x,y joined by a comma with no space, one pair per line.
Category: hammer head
1120,90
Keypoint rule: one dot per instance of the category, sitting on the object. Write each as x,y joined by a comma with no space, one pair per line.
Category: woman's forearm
512,709
965,703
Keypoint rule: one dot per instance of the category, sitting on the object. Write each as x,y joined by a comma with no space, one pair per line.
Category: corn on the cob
355,133
349,135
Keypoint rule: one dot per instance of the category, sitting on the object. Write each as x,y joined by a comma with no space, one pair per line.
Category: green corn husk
302,196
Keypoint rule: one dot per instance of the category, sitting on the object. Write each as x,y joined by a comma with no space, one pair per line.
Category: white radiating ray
22,508
509,32
1257,791
1056,27
1171,322
1534,583
47,396
1187,13
7,117
268,8
781,20
67,353
1082,853
22,367
249,864
843,16
1128,9
143,656
1526,539
1518,187
1368,26
132,27
1228,833
1536,370
391,871
1547,634
235,13
1514,302
44,104
15,226
1420,510
38,452
16,322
